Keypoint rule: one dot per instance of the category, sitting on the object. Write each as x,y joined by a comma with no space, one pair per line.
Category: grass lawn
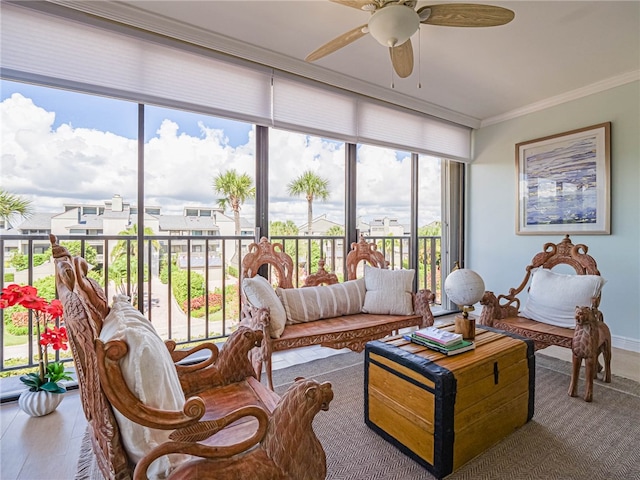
11,340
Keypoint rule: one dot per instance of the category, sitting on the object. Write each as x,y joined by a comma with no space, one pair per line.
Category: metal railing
190,285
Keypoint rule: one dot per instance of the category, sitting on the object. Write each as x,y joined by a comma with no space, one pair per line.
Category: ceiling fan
393,22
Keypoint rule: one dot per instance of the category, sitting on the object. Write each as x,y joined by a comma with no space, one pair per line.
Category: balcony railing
189,285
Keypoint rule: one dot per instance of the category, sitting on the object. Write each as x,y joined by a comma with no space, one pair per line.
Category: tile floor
47,448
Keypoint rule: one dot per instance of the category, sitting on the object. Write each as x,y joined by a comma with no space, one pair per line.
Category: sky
62,147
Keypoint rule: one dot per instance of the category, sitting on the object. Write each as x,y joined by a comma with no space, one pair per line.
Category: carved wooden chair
504,311
231,425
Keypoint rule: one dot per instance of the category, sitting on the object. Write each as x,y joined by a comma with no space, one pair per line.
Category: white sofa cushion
388,292
553,297
325,301
151,375
259,293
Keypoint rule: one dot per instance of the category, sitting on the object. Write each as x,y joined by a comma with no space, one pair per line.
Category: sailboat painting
563,183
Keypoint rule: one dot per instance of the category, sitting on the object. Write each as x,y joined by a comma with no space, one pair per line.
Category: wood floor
47,448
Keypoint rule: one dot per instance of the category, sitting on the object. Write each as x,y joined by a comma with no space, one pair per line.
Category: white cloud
52,166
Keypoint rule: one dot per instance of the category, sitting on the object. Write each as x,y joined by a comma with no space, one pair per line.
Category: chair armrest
179,355
126,402
492,309
185,440
422,300
231,365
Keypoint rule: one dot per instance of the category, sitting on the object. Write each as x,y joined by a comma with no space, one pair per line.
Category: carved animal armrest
259,319
232,364
198,364
422,300
493,310
289,449
185,440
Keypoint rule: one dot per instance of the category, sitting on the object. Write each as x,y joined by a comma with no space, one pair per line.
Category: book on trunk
461,347
439,336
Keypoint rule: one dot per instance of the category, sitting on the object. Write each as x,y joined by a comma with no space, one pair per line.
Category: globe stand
464,287
465,324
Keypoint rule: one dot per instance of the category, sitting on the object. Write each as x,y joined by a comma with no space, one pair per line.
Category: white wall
499,255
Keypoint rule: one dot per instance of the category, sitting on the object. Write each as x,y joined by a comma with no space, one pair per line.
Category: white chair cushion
553,297
308,304
259,293
388,292
151,375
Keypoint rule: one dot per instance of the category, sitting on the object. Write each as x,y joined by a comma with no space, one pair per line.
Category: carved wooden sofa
224,423
548,317
350,329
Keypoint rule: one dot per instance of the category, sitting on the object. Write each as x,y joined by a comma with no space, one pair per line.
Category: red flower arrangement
49,374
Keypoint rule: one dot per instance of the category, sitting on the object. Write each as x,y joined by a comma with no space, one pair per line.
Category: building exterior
115,216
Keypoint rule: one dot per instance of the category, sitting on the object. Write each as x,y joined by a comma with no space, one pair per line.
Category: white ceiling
552,51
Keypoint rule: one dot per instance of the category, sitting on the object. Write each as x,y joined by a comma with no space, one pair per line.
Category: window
384,200
430,224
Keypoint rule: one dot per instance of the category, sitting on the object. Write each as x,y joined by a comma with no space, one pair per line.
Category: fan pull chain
392,77
419,58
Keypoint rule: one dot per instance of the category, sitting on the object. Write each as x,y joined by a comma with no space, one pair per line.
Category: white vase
39,403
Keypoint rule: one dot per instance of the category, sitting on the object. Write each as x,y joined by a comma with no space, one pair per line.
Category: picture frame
563,183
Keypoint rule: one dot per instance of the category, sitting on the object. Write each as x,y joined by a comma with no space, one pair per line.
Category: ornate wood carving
265,253
288,450
592,338
502,311
229,397
82,329
321,277
364,251
355,338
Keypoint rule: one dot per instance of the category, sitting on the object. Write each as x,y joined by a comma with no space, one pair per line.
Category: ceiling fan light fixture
393,25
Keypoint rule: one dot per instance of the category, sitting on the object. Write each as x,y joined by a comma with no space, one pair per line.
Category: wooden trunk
443,411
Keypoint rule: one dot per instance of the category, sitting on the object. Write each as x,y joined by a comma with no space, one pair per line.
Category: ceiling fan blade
402,59
465,15
355,3
337,43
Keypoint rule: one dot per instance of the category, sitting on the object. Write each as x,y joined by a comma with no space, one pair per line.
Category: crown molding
594,88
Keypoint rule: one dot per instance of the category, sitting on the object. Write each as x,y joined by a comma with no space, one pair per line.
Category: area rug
567,439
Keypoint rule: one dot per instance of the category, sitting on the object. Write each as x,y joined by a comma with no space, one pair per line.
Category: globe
464,287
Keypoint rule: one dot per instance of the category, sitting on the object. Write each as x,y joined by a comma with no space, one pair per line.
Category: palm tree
120,266
312,186
236,189
11,204
120,248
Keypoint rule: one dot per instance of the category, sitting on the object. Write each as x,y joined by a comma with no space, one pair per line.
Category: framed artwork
563,183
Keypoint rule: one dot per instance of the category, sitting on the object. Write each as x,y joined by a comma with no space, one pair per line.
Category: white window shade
70,54
126,63
308,108
386,126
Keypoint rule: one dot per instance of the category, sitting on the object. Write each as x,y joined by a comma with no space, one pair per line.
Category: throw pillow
151,375
259,293
553,297
388,292
325,301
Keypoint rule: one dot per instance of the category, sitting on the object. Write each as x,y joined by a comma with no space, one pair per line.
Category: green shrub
179,280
